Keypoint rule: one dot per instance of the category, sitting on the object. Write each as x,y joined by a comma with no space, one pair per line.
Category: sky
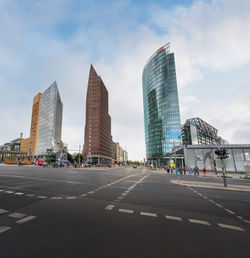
57,40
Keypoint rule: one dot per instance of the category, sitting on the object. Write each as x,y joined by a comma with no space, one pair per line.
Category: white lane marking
211,201
70,197
90,192
126,211
239,217
3,228
247,221
1,190
56,198
124,194
18,193
83,195
42,197
21,221
203,222
173,218
117,200
17,215
109,207
2,211
230,227
9,192
120,197
30,195
148,214
217,204
230,211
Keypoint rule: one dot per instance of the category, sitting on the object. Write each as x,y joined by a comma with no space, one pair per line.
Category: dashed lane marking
70,197
126,211
2,211
91,192
17,215
18,193
148,214
3,229
56,198
83,195
230,227
217,204
230,211
30,195
247,221
42,197
109,207
9,192
21,221
173,218
203,222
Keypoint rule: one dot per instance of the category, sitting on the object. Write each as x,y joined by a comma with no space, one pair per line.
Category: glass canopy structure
162,123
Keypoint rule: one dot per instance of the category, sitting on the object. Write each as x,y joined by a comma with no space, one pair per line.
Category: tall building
46,124
98,140
29,145
50,124
162,123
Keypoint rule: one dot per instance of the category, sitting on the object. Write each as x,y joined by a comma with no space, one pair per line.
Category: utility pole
79,154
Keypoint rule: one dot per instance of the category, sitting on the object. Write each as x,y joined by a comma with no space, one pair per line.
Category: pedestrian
195,170
189,170
168,170
204,171
184,171
181,171
172,170
177,171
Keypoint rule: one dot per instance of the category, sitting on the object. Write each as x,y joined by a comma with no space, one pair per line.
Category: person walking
184,170
177,171
189,170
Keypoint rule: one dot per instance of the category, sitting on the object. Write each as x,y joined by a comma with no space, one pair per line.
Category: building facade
203,156
50,123
97,140
119,156
196,131
162,123
29,145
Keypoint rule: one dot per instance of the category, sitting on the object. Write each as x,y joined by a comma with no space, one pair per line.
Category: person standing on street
204,171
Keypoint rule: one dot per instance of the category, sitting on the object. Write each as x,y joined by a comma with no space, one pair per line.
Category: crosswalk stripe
2,211
17,215
203,222
230,227
3,228
21,221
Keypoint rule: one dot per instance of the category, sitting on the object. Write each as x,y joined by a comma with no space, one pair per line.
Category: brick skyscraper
98,140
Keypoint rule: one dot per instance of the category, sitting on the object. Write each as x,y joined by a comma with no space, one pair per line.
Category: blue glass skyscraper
162,123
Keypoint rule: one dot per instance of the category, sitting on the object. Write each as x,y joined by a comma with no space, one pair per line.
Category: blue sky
43,41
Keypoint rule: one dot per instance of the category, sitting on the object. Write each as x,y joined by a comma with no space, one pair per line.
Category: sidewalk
220,186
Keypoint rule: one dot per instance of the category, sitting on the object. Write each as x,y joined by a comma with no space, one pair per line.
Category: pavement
120,212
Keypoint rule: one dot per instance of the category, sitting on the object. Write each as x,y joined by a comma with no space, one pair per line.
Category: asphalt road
66,212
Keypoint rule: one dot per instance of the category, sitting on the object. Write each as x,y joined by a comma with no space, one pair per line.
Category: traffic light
218,152
222,153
